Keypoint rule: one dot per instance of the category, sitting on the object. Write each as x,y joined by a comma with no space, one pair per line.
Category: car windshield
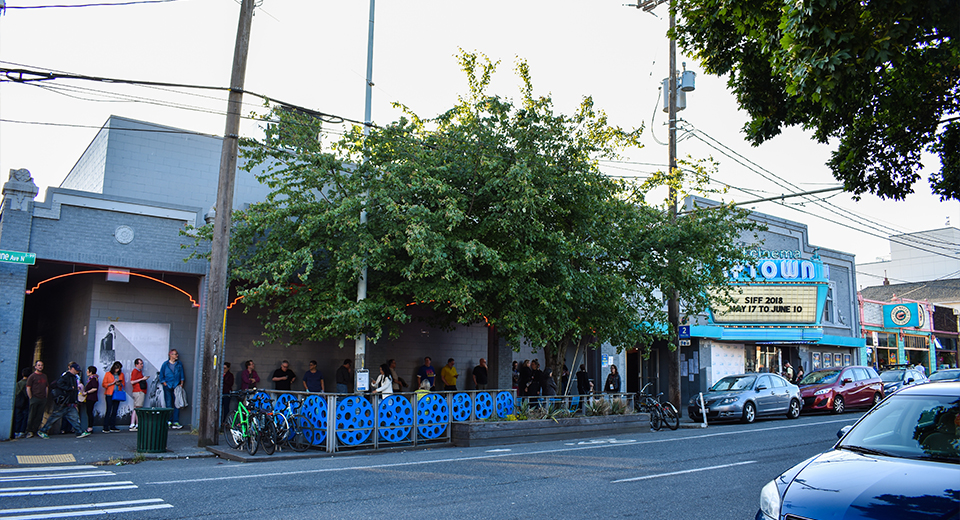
891,375
944,375
734,383
911,426
820,377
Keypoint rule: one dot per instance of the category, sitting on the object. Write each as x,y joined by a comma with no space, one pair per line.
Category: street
715,473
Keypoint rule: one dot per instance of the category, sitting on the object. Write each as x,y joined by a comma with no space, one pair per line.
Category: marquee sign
769,303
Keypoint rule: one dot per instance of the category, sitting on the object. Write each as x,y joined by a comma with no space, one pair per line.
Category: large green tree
493,211
882,77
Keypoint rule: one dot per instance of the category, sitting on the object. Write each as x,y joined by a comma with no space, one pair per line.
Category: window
829,309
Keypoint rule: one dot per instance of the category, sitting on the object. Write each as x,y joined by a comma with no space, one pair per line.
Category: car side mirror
847,380
843,431
909,380
761,387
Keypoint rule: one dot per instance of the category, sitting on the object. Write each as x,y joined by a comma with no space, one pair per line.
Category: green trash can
152,429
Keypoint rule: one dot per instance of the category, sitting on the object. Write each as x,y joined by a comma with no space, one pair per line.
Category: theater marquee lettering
770,304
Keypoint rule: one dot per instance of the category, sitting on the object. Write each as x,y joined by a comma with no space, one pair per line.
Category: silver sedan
748,396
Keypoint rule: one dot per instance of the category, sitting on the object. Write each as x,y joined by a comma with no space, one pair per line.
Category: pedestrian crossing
31,483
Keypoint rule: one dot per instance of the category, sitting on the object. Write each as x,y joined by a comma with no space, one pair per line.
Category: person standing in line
138,389
536,377
283,377
448,374
398,382
344,378
384,383
515,378
547,384
313,379
65,402
583,381
37,392
426,372
612,386
112,381
796,380
225,392
171,377
480,375
523,380
788,372
92,390
424,389
21,405
249,377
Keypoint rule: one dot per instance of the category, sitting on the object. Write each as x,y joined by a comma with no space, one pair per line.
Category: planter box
483,433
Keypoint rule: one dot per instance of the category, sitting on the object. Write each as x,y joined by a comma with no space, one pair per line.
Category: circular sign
900,315
124,234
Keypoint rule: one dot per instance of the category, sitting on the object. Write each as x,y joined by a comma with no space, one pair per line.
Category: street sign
16,257
684,342
684,331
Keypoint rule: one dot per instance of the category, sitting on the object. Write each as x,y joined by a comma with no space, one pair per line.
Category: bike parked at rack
660,412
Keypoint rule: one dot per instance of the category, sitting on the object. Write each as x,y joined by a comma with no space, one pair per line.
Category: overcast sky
313,53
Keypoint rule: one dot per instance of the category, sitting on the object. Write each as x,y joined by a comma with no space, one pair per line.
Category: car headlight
821,392
728,400
770,501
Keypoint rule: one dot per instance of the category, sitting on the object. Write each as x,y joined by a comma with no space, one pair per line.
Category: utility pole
217,290
360,348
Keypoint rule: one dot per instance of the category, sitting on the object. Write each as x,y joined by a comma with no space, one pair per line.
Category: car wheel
876,399
794,411
838,405
749,413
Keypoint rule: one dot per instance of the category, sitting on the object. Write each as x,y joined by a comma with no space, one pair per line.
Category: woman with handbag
113,394
90,390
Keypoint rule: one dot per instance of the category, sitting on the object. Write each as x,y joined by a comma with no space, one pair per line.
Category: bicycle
660,412
241,429
286,428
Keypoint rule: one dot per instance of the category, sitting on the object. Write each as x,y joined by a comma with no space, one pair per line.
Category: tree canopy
494,211
880,76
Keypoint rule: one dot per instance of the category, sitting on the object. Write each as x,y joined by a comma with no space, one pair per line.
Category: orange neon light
485,320
192,301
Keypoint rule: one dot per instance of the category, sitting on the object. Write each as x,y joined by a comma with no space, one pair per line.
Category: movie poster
125,342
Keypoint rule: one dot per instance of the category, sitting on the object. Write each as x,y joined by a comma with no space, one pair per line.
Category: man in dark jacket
523,381
65,392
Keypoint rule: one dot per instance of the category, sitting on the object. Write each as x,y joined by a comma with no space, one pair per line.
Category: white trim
59,199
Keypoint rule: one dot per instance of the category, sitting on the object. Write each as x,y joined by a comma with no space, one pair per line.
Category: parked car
946,374
837,389
900,460
748,396
897,378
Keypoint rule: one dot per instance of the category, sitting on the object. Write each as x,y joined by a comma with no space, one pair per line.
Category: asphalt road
715,473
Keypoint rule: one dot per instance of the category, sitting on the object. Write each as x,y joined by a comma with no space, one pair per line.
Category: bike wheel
656,420
231,432
670,416
298,439
268,435
251,441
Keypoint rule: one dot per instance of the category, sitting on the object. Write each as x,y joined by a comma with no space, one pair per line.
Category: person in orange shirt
112,381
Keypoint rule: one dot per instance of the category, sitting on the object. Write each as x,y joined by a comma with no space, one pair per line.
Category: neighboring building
915,257
110,281
932,342
797,303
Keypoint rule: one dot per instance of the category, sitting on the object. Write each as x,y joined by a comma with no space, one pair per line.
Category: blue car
900,460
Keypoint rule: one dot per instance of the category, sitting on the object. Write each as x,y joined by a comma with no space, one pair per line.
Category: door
766,398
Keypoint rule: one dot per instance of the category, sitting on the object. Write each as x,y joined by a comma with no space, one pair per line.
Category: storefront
900,333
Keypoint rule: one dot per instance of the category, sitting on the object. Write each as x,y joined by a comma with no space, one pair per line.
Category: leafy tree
493,210
880,76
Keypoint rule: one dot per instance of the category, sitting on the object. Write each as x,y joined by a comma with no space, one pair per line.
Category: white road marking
101,511
44,468
499,450
490,456
51,476
645,477
100,505
66,488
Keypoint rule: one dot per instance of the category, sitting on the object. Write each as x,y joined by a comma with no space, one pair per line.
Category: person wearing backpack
65,391
21,405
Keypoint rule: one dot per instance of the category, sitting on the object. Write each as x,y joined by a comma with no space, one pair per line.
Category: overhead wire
99,4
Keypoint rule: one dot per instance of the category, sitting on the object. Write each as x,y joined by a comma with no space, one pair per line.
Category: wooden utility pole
673,306
216,301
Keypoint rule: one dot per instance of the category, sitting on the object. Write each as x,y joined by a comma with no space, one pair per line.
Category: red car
837,389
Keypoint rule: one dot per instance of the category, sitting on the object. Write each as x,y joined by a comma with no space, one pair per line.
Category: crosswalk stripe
58,476
79,506
45,468
65,488
103,511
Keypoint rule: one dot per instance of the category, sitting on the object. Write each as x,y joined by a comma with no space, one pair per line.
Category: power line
104,4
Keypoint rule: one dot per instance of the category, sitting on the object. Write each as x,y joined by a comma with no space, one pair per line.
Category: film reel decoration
504,404
432,416
280,404
261,401
354,420
395,416
483,405
315,416
461,406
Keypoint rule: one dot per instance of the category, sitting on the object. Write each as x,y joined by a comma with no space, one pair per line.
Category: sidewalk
97,448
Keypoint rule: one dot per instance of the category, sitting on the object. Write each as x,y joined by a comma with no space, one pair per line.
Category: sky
312,53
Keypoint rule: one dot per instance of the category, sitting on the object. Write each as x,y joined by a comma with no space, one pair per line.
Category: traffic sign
684,331
16,257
